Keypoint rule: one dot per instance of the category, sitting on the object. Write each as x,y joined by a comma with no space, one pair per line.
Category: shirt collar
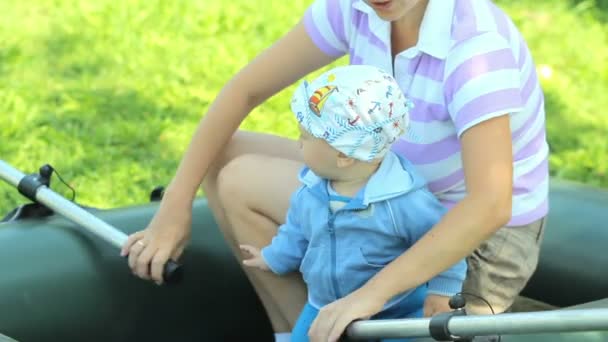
435,29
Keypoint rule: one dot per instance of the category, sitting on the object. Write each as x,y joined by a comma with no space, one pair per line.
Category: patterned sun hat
358,109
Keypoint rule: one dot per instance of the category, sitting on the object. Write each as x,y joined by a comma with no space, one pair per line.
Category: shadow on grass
106,136
118,126
599,7
110,120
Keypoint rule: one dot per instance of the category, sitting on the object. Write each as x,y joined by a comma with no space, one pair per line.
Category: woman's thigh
254,170
250,200
259,184
247,142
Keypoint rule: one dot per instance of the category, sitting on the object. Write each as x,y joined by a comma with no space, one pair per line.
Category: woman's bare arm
488,167
289,59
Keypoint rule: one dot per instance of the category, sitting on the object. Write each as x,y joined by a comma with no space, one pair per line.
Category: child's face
319,156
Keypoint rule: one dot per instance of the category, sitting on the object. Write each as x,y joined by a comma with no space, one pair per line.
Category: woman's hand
335,317
254,258
436,304
165,237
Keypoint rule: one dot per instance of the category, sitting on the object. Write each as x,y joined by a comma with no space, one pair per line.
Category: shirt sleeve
417,215
482,80
287,248
325,23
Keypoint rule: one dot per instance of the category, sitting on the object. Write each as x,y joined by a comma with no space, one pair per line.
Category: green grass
110,92
572,41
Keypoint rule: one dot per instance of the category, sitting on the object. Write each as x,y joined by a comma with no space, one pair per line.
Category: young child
360,206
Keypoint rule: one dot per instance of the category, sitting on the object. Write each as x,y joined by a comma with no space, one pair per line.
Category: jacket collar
394,177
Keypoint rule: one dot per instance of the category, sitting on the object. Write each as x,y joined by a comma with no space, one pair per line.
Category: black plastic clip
28,186
438,326
31,183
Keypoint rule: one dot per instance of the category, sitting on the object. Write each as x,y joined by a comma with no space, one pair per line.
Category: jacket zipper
332,235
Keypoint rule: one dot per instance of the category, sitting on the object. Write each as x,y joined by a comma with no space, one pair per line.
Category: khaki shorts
501,267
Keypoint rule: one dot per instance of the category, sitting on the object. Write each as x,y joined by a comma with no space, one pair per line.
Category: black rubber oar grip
172,273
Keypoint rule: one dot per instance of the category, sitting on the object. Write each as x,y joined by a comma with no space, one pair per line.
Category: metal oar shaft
484,325
10,174
75,213
35,190
66,208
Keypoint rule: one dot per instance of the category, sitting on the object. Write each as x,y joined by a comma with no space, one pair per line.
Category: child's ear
344,161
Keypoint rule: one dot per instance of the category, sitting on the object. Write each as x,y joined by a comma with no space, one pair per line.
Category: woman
477,134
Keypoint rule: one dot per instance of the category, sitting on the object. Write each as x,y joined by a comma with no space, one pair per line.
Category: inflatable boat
62,279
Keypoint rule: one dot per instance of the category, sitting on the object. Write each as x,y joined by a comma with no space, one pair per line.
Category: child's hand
253,257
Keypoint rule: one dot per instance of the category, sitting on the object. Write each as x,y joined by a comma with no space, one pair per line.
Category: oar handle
33,188
173,272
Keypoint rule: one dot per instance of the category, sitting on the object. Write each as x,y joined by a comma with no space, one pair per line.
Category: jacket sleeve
287,248
418,213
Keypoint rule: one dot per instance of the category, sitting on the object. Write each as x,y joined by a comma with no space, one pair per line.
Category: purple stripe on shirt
529,181
357,20
502,23
532,146
529,121
420,153
464,12
501,100
476,66
531,83
336,20
446,182
523,53
318,38
531,215
356,60
426,112
426,66
362,25
413,64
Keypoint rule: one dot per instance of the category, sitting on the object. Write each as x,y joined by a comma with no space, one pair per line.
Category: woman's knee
227,154
232,179
245,143
258,183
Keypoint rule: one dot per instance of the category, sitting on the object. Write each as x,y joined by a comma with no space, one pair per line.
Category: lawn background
110,92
